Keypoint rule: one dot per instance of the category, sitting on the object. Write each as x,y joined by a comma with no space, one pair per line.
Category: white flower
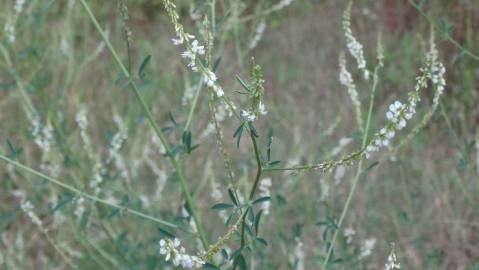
346,79
9,29
196,48
177,41
19,6
172,249
354,47
80,208
210,78
367,247
299,254
248,116
261,108
82,122
393,262
349,233
218,90
64,47
27,207
188,55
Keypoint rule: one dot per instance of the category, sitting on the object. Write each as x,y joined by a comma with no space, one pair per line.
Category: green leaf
238,133
232,197
236,253
253,129
7,217
84,220
273,163
216,64
250,214
222,206
224,253
370,167
14,152
270,142
261,241
166,233
262,199
228,220
144,64
187,142
257,220
63,200
239,262
243,83
445,27
210,266
172,118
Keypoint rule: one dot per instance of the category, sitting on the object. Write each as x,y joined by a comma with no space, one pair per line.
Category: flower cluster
97,178
191,52
173,250
367,247
80,207
346,79
251,116
349,233
354,47
9,29
115,146
255,93
27,207
437,71
400,113
299,254
42,135
193,49
393,262
19,6
82,122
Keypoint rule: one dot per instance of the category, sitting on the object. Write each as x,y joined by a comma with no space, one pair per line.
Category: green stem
199,86
81,193
258,164
255,184
447,36
358,171
156,128
27,101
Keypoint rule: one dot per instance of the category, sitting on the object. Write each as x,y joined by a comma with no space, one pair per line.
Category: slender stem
58,249
255,184
323,166
448,37
258,164
154,125
86,195
262,13
27,101
199,86
358,171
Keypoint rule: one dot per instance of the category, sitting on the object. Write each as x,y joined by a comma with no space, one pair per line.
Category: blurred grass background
425,199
